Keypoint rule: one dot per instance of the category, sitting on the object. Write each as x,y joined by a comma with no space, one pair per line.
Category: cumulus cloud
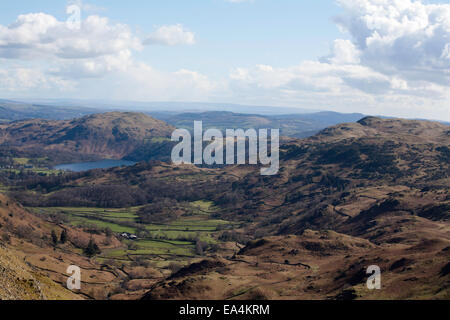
314,76
22,79
93,49
171,35
339,87
38,35
94,68
397,62
75,58
340,84
343,52
144,82
401,37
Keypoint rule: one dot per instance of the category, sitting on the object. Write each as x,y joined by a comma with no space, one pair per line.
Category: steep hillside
20,281
111,135
314,265
33,267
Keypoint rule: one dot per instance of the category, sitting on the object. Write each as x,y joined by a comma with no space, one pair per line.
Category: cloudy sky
386,57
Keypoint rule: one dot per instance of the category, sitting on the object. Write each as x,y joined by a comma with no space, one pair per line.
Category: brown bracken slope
33,268
112,135
355,195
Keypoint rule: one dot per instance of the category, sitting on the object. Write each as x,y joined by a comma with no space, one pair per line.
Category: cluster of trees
134,189
180,191
161,211
101,196
30,180
228,236
61,239
92,249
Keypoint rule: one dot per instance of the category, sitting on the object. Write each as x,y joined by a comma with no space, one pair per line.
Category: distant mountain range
290,125
296,123
14,110
292,122
171,107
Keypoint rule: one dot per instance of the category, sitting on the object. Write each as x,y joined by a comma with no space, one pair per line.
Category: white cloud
396,63
22,79
93,50
171,35
75,59
343,52
402,37
95,67
145,83
313,76
341,85
39,35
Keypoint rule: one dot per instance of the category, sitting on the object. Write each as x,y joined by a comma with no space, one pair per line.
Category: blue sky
370,56
228,34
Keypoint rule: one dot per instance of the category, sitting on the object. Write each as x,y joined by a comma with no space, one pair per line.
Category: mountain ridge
113,135
412,131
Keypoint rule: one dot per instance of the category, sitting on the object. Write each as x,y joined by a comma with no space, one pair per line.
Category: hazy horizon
180,107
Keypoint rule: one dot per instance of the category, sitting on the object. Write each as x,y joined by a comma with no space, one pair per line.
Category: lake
85,166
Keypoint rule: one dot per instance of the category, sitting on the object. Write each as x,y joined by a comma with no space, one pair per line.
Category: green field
101,218
167,249
171,241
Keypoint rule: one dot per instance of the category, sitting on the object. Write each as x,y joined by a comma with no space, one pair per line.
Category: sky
381,57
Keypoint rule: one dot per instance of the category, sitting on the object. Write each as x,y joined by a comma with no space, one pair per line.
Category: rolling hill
100,136
290,125
373,192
